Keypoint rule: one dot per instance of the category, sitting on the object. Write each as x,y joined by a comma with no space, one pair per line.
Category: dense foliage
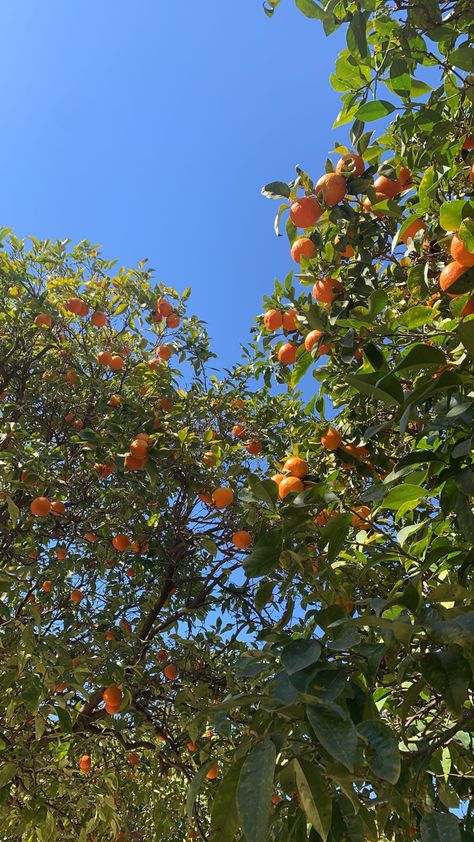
233,615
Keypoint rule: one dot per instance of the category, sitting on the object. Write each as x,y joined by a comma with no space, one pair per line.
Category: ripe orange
164,352
139,448
238,430
47,586
209,459
212,773
134,464
460,253
305,212
163,307
241,539
112,696
112,709
133,758
77,306
43,320
273,319
327,289
277,478
287,353
40,506
367,204
85,764
192,747
296,466
104,358
171,672
333,187
130,571
162,655
76,595
351,163
173,320
361,516
388,186
121,542
205,497
302,247
58,507
70,377
468,142
289,319
125,626
311,339
290,485
449,275
115,400
78,424
412,230
254,447
405,176
347,252
69,418
109,635
276,800
222,497
89,536
98,319
332,439
468,308
116,362
61,553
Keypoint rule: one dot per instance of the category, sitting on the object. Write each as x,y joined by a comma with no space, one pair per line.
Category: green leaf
421,356
386,389
276,190
465,331
265,490
302,365
405,493
356,34
195,786
7,772
265,555
13,511
374,110
224,816
440,827
300,654
314,795
462,57
254,790
427,186
417,316
382,753
338,736
334,534
264,592
449,674
466,233
310,9
452,213
64,719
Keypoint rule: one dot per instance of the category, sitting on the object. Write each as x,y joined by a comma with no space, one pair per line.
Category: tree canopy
236,612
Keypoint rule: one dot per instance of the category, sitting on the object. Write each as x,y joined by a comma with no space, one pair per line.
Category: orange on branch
305,212
333,188
290,485
296,466
302,247
273,319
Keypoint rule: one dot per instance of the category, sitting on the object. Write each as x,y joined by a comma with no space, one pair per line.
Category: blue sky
150,127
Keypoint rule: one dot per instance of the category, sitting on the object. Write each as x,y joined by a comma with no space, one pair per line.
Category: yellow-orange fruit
171,672
241,539
40,506
76,595
133,758
254,447
311,339
238,430
47,586
388,186
305,212
212,773
412,230
332,439
450,274
115,400
104,358
333,187
351,163
302,247
121,542
222,497
85,764
326,290
89,536
460,253
98,319
287,353
290,485
116,362
112,696
273,319
163,307
43,320
58,507
289,319
164,352
296,466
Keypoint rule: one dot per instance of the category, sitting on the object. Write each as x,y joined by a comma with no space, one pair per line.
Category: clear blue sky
150,127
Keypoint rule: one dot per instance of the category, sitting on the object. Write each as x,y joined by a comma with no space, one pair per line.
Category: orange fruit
139,448
40,506
133,758
109,635
98,319
103,469
134,464
78,424
333,187
47,586
116,362
241,539
468,142
450,274
361,516
163,307
209,459
296,466
69,418
326,290
222,497
367,204
346,252
61,553
115,400
85,764
112,709
302,247
254,447
277,478
70,377
238,430
276,800
311,339
388,186
89,536
43,320
205,497
412,230
192,747
173,320
58,507
130,571
289,319
162,655
76,595
171,672
468,308
273,319
164,352
405,176
290,485
104,358
125,626
305,212
460,253
112,696
121,542
77,306
351,163
287,353
212,773
332,439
